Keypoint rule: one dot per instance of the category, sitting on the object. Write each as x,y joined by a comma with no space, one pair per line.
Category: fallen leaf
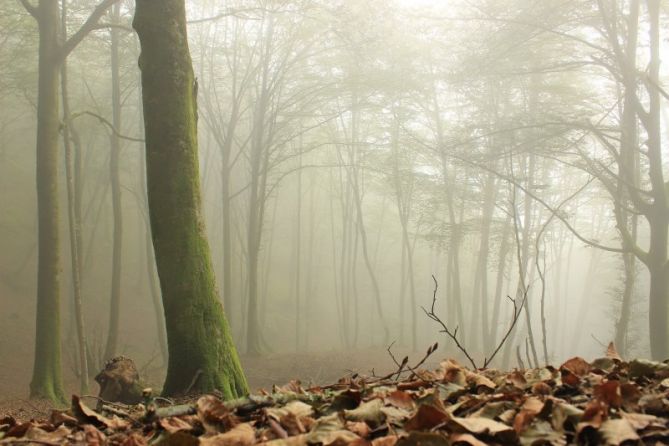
359,428
369,412
541,432
479,381
214,415
465,439
240,435
483,426
577,365
423,439
388,440
640,421
134,439
639,368
297,408
174,424
609,393
400,399
178,439
615,432
86,415
426,417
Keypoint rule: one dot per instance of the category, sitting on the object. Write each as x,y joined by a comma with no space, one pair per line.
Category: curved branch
104,121
88,26
32,10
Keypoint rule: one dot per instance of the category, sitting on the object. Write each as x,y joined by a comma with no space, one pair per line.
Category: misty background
349,151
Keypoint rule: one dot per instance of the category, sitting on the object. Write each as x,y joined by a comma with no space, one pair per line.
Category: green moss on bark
47,379
202,356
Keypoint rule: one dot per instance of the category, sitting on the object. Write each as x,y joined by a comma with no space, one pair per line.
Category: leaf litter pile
608,401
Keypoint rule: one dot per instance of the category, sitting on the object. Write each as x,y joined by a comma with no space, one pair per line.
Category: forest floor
263,372
419,402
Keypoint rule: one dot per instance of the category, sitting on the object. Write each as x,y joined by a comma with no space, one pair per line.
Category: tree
47,377
202,356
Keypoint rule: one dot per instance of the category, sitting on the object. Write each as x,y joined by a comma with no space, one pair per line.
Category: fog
350,152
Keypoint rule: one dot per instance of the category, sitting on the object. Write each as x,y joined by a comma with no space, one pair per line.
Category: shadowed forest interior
351,156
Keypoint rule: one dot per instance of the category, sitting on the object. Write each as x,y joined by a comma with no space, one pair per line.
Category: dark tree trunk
202,356
47,380
114,174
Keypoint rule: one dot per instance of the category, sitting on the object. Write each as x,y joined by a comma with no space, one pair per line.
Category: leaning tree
202,356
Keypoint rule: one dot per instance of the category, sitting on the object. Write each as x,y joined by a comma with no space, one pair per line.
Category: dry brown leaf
59,417
465,439
483,426
641,421
517,379
400,399
240,435
86,415
369,411
93,437
174,424
453,373
541,388
426,417
609,392
298,440
423,439
178,439
297,408
615,432
135,439
359,428
479,381
388,440
577,365
214,415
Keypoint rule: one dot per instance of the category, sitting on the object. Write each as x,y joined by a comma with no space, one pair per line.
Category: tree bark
114,174
202,356
47,379
74,221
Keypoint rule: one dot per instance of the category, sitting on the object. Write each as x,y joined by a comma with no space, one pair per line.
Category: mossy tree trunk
202,356
47,377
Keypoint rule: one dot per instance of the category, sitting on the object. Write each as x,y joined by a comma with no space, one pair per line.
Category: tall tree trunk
499,282
628,173
47,378
74,223
479,318
202,356
298,252
154,286
658,218
114,175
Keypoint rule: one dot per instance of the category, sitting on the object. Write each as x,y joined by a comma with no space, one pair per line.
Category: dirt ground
262,372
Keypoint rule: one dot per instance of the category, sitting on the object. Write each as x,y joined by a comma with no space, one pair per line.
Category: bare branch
444,329
516,314
454,334
32,10
88,26
231,12
103,121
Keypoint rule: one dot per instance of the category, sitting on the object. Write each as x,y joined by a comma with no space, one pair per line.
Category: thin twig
104,121
453,335
514,320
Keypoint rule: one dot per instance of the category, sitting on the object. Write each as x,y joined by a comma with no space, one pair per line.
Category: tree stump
119,381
